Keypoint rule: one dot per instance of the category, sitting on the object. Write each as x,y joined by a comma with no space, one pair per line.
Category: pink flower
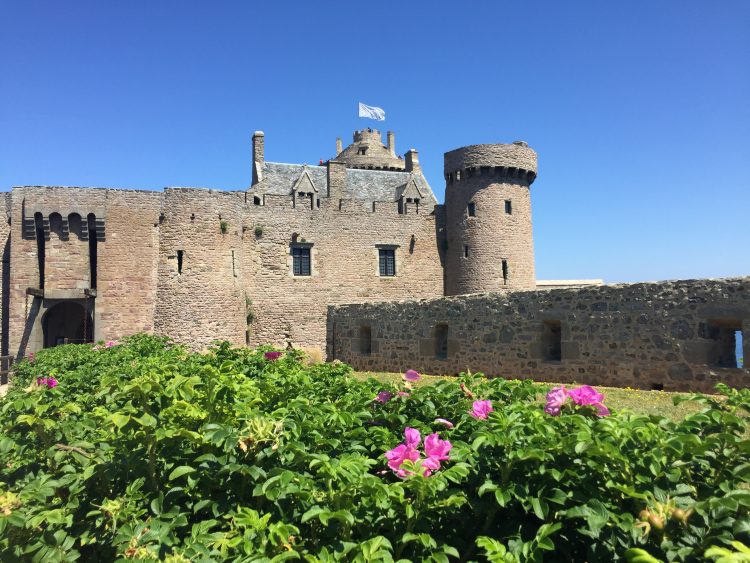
444,421
402,394
413,437
51,382
411,375
384,397
555,400
41,381
272,356
31,357
481,409
111,343
398,455
588,396
436,448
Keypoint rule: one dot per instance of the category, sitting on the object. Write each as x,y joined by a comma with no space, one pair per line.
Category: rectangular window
508,207
466,251
441,341
180,254
726,351
552,341
301,260
471,209
234,270
387,261
505,272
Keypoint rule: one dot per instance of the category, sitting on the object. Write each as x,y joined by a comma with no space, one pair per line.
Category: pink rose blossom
555,400
383,397
588,396
444,421
111,343
272,356
436,448
411,375
481,409
402,394
398,455
51,382
413,437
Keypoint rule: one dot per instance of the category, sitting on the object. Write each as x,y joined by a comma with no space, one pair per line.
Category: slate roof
367,185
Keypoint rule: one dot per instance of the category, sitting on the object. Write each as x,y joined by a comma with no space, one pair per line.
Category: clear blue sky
640,111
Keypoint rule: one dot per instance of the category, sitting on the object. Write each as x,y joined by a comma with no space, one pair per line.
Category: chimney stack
392,143
411,160
339,146
258,156
336,179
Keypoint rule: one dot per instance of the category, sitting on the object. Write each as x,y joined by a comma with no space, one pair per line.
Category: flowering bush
148,452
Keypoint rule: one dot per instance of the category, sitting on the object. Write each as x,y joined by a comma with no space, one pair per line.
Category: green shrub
146,451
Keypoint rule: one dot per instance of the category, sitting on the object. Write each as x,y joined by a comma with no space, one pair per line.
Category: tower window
552,341
256,200
471,209
362,151
466,251
387,261
508,207
505,272
301,260
441,341
180,254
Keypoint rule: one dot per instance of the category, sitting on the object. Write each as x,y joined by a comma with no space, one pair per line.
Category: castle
302,257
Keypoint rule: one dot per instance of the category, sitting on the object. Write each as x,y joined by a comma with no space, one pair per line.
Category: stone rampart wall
675,335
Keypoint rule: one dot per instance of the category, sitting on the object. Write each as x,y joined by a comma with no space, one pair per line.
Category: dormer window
362,151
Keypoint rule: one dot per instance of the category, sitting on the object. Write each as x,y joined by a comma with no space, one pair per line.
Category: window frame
298,257
386,250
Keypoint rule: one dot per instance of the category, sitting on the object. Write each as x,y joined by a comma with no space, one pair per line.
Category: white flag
371,112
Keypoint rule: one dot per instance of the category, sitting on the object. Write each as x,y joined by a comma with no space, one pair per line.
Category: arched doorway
67,323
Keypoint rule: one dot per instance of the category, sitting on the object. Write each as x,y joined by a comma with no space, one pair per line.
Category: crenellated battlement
512,161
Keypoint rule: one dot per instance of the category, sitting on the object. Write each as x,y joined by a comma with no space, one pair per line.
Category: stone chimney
336,179
392,143
411,160
339,146
258,156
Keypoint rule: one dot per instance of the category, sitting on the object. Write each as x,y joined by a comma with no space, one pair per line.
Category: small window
466,251
508,207
726,351
301,260
552,341
471,209
362,151
505,272
180,254
387,261
256,200
365,340
234,269
441,341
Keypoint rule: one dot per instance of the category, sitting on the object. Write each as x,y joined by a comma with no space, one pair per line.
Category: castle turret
368,152
488,218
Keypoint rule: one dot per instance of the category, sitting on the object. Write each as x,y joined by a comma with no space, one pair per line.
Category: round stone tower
488,218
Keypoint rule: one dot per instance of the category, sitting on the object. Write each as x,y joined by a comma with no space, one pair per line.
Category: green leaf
180,471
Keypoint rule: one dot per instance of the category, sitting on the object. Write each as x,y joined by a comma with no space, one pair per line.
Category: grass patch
635,400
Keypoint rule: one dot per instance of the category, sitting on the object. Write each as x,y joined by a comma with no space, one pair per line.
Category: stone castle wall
126,260
678,335
189,263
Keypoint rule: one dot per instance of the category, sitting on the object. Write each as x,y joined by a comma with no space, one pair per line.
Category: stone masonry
670,335
323,256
